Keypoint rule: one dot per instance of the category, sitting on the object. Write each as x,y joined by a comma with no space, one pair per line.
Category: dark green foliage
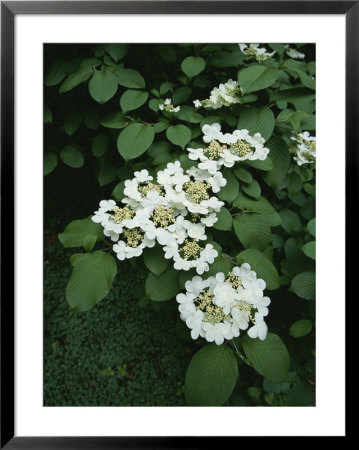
117,354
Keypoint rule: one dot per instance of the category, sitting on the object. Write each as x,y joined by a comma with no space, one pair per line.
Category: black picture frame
9,9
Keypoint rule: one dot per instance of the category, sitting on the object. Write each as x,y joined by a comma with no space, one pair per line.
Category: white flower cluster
218,308
226,149
304,150
225,94
293,53
173,210
167,106
254,51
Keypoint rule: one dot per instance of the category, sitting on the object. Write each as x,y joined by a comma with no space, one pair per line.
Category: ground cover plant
204,156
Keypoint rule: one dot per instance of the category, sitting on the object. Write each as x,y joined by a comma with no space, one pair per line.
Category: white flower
224,294
211,132
253,50
292,53
143,176
211,166
178,230
217,181
209,220
195,230
305,149
225,94
259,329
194,323
167,106
213,203
196,153
131,190
194,286
217,332
197,103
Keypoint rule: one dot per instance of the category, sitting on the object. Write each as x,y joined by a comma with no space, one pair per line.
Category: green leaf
256,77
252,230
130,78
160,126
154,104
56,73
117,192
47,115
300,328
116,51
155,261
99,145
76,231
243,174
165,87
307,80
224,221
107,172
311,227
303,285
280,156
188,114
265,165
180,95
226,59
295,183
193,65
134,140
293,95
269,357
72,157
91,62
131,100
50,162
220,264
252,189
91,280
290,221
75,79
230,191
179,135
300,395
257,120
309,249
103,86
264,268
162,287
211,376
72,122
89,242
260,206
115,120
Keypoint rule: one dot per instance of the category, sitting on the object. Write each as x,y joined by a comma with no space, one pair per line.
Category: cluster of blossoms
227,149
254,51
304,150
167,106
293,53
218,308
175,208
225,94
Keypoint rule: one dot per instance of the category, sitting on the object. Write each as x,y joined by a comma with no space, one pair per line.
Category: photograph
179,224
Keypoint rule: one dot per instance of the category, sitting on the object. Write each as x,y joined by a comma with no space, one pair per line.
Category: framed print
172,235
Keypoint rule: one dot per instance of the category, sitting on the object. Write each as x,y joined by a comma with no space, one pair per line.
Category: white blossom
254,51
